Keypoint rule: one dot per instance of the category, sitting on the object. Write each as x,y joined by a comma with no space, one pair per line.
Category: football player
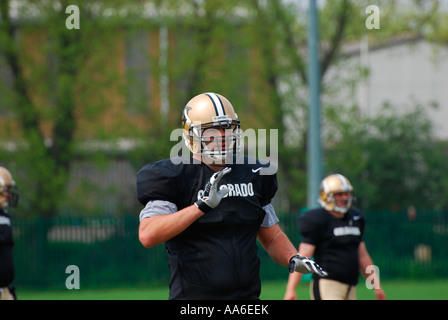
334,235
210,208
8,198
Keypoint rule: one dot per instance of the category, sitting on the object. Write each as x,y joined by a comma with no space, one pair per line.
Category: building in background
402,72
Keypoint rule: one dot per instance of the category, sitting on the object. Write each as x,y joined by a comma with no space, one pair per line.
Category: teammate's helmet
211,110
332,184
8,189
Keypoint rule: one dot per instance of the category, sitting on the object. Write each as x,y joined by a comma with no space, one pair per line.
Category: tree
50,161
254,52
393,161
46,93
340,22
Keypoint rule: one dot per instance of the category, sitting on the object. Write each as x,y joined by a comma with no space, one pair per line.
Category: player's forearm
279,247
363,264
161,228
364,260
293,281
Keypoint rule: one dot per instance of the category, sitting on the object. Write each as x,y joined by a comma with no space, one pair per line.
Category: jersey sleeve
270,218
310,229
157,207
156,182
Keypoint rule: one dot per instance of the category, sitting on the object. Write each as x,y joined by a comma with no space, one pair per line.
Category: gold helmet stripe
325,185
219,107
2,184
187,119
345,183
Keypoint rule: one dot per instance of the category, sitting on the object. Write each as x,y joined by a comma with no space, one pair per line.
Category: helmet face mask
339,186
218,143
211,128
8,190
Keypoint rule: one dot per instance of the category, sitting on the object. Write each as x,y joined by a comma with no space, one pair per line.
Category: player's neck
214,168
336,214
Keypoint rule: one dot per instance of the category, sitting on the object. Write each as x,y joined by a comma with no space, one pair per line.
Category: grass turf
395,290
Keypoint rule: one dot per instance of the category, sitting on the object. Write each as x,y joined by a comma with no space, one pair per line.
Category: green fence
108,254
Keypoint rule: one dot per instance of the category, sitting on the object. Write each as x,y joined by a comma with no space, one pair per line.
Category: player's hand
212,197
304,265
379,294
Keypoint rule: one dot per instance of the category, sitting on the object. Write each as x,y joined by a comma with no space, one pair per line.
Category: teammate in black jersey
209,209
333,234
8,198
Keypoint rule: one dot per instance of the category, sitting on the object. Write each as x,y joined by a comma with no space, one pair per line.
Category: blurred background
84,106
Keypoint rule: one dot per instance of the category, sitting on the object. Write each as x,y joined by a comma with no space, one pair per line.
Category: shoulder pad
158,181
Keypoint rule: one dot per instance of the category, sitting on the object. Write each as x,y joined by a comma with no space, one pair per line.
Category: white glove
304,265
212,197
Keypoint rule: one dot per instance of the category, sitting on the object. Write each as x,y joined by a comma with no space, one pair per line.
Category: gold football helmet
8,189
335,183
212,113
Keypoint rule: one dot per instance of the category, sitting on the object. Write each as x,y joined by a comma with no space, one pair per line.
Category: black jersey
216,256
6,248
336,241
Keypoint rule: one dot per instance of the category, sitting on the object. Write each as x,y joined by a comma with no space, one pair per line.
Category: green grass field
395,290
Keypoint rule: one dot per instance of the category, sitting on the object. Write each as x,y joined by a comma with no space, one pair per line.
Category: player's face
4,197
215,138
342,198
